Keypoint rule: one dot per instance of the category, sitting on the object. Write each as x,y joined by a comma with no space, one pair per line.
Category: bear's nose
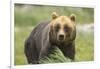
61,37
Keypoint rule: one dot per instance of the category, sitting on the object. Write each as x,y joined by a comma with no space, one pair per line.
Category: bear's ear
54,15
73,17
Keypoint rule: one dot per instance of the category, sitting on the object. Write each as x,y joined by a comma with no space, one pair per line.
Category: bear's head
62,29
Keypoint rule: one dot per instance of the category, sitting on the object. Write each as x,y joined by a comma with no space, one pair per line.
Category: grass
84,48
28,15
55,57
20,36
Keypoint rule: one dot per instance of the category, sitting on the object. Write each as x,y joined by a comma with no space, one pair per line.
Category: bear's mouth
61,41
64,41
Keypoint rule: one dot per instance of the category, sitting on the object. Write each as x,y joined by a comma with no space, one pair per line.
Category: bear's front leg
69,51
45,51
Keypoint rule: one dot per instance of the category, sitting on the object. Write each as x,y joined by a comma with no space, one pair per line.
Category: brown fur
59,32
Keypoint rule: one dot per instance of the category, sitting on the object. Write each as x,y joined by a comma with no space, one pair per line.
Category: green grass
84,48
55,57
31,15
20,36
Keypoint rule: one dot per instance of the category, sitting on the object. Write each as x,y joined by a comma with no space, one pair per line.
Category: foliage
29,15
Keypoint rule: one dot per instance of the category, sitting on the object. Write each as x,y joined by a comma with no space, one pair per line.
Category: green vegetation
31,15
27,16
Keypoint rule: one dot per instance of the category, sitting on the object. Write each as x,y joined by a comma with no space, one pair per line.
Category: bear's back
36,34
39,29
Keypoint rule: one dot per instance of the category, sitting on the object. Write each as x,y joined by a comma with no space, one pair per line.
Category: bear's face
62,28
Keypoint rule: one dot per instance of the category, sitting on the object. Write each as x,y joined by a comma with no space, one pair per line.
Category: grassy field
26,17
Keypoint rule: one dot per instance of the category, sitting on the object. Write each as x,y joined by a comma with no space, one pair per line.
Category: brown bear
59,32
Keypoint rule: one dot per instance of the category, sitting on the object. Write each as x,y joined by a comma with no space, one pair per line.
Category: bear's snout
61,37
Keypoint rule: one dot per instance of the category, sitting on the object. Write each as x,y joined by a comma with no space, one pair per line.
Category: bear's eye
66,29
57,27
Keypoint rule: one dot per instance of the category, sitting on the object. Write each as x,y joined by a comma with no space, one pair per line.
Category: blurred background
27,16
